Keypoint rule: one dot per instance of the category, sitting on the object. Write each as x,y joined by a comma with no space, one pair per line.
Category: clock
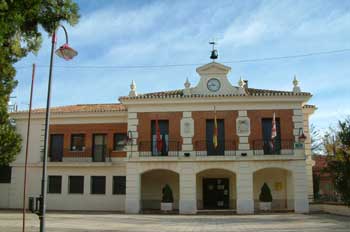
213,84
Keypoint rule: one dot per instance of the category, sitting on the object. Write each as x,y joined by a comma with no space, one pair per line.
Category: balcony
265,147
98,154
206,148
149,149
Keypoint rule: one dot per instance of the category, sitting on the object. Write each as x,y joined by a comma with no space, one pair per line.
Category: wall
216,173
86,201
152,183
286,124
89,129
200,118
273,177
144,125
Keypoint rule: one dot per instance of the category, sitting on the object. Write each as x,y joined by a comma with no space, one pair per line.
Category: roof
250,92
83,108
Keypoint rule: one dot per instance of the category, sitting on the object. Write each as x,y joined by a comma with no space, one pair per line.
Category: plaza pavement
11,221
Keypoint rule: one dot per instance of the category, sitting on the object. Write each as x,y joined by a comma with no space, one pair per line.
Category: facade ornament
241,84
187,90
132,92
296,88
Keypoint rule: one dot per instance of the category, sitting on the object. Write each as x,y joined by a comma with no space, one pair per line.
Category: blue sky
122,33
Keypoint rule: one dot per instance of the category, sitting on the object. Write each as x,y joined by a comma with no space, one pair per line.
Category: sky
148,33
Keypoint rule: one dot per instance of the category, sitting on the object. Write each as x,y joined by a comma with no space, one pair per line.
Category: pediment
213,68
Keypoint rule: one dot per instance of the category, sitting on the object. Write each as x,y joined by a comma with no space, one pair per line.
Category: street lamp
67,53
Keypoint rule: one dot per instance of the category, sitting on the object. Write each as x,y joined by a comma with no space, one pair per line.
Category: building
119,156
324,189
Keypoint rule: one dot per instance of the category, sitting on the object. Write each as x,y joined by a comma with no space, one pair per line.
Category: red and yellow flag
215,134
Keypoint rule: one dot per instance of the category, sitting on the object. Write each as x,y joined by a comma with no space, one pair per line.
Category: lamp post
66,53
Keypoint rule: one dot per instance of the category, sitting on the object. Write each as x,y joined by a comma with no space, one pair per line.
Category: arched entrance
152,183
280,182
216,189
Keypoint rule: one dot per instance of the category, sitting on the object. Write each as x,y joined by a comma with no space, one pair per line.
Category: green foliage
19,36
10,144
167,194
265,194
338,162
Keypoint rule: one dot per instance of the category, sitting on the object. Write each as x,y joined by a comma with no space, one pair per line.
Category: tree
167,194
19,36
337,144
265,194
316,141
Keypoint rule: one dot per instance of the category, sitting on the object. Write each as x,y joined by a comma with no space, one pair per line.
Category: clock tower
214,81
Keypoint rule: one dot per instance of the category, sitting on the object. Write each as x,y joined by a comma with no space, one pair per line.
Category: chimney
245,83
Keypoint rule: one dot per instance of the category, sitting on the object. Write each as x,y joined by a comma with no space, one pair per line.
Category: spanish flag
215,134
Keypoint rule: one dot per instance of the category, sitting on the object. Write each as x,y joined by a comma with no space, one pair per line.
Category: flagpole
27,151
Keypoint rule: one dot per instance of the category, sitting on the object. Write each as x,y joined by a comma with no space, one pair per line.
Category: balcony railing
278,147
223,148
149,148
99,154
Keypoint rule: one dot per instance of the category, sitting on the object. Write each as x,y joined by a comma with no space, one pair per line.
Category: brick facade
144,126
286,124
200,118
88,130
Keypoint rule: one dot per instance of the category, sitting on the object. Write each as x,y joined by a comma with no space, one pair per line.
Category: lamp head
302,136
66,52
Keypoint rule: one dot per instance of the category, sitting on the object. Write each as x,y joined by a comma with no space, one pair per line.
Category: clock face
213,84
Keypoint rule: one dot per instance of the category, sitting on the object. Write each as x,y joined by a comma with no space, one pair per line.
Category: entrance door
220,149
56,148
99,148
216,193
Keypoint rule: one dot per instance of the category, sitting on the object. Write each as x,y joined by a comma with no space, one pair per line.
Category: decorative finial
187,83
241,89
214,53
296,88
241,82
132,92
187,90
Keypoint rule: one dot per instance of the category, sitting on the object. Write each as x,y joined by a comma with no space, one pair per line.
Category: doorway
56,148
99,148
216,193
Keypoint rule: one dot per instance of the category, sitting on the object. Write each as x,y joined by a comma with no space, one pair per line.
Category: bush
265,194
167,194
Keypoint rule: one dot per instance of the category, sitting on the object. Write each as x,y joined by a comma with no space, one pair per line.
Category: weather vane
214,52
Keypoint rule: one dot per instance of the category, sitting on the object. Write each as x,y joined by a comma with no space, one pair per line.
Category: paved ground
10,221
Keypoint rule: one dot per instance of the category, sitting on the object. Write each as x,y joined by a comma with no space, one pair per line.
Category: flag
273,131
159,141
215,134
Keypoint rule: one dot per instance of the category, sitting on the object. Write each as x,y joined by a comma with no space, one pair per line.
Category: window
98,185
5,174
271,146
77,142
160,138
119,185
55,184
76,184
119,141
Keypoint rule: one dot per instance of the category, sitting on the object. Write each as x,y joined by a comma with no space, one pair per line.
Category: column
133,189
132,127
243,132
301,201
187,132
188,186
245,201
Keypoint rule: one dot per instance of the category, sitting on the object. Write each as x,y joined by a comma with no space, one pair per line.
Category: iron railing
277,147
168,148
98,154
207,148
